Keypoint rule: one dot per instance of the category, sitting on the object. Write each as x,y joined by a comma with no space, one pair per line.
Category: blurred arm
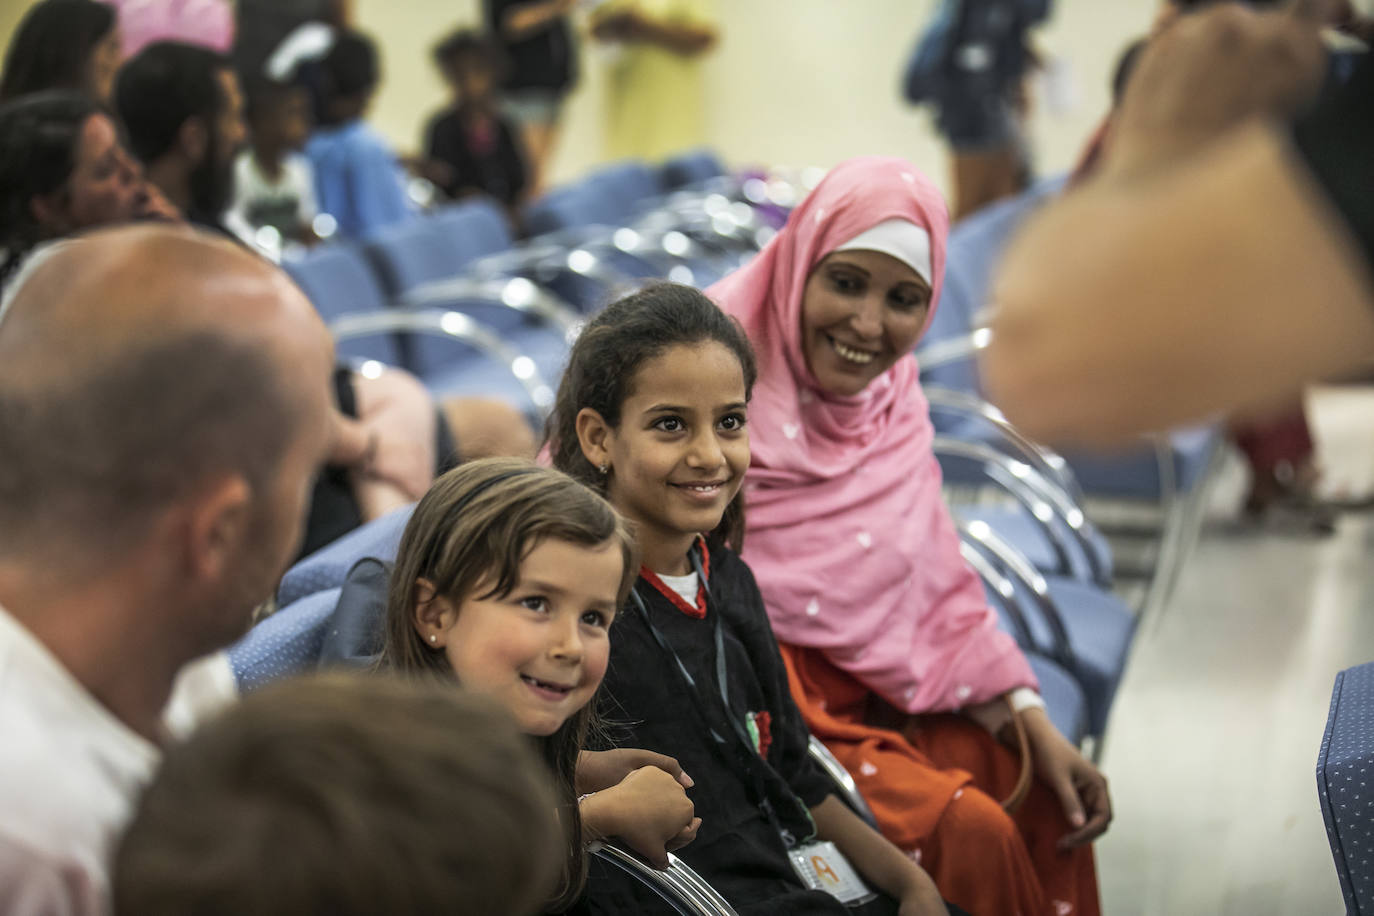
1226,282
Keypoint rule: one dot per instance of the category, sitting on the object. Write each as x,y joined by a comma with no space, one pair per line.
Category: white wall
797,82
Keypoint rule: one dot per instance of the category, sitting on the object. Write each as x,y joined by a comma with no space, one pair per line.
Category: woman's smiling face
861,312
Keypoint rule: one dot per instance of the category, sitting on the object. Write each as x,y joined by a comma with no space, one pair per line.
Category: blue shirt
357,179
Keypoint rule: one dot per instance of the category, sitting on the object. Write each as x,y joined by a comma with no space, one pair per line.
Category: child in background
273,183
358,179
652,412
471,148
508,579
345,795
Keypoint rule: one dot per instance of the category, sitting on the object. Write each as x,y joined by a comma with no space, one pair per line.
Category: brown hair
108,446
607,356
476,525
344,794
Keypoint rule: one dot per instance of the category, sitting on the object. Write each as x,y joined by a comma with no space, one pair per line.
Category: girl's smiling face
542,650
680,451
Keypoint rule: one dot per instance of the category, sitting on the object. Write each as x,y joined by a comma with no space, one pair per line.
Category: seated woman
893,654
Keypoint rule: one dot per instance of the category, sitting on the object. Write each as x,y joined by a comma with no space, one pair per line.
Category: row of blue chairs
452,297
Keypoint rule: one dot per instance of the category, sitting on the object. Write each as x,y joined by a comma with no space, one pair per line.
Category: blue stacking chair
339,282
327,567
1345,767
692,168
1087,631
1169,474
420,262
342,286
284,644
1065,702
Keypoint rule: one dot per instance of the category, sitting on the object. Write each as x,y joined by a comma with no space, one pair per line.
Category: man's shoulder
68,770
60,800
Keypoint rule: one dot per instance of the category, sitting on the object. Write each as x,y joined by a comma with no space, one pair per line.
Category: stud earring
433,638
603,469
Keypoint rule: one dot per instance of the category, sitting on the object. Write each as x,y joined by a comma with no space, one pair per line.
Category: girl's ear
595,436
433,615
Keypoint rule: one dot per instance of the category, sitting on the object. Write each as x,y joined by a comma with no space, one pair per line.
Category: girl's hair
39,138
52,47
472,530
607,357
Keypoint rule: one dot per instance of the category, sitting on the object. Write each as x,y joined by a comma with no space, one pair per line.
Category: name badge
822,867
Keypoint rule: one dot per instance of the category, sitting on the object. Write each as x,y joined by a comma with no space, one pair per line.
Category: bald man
164,403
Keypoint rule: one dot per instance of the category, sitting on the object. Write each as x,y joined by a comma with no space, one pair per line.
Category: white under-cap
900,238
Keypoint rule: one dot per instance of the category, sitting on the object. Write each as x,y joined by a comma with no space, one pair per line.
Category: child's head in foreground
345,794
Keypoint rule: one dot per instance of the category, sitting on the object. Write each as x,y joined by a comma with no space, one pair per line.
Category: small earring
433,638
603,469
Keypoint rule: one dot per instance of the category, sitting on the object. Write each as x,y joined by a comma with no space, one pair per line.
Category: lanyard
753,761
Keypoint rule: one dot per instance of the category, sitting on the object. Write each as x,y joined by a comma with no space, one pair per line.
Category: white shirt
70,773
686,586
285,204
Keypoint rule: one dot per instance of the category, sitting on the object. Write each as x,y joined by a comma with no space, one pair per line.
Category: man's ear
193,140
595,436
220,522
432,614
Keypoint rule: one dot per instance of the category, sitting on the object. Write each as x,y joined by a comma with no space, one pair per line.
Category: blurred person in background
273,184
181,106
358,179
655,99
470,147
183,111
972,64
1121,286
63,169
63,44
538,42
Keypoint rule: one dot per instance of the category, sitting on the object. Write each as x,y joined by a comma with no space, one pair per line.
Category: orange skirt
935,789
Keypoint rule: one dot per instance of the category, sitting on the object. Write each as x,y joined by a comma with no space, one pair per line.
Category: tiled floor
1212,746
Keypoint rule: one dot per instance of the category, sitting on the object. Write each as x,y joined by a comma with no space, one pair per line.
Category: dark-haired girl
653,413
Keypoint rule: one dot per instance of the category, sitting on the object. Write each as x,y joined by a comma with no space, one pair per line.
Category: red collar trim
699,612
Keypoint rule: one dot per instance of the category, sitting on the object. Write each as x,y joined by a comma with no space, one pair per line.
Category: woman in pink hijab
894,655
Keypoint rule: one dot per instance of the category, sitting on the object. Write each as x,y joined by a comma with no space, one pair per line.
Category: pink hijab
848,533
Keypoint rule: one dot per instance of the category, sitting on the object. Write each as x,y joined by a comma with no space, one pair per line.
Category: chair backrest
476,228
286,643
570,207
436,247
1347,753
690,168
326,568
338,280
627,185
975,248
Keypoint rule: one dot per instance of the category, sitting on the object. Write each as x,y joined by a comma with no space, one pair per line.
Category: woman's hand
1081,788
597,770
648,809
